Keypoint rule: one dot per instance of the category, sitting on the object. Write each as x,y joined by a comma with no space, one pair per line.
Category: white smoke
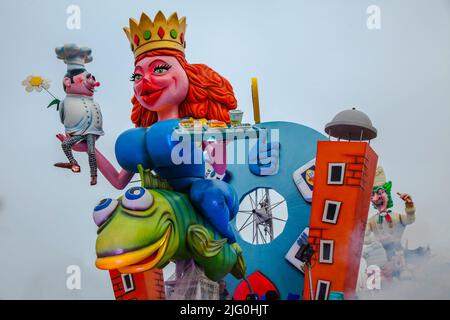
429,280
428,277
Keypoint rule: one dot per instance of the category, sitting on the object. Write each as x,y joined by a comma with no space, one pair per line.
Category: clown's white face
380,199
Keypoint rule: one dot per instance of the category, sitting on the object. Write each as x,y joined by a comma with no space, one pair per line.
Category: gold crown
161,33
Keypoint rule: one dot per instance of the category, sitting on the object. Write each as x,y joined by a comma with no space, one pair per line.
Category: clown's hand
405,197
264,157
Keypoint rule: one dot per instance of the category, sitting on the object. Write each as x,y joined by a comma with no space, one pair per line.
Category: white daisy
36,83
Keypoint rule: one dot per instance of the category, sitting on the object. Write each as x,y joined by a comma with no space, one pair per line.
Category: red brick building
343,183
147,285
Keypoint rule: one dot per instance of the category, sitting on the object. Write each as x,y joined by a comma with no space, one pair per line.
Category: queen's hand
79,147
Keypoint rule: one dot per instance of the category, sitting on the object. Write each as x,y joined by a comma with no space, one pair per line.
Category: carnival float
214,192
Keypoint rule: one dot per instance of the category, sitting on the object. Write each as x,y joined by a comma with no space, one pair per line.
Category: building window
336,173
322,290
127,280
326,251
331,211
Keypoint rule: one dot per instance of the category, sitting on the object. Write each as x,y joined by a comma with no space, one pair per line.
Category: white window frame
325,209
336,164
321,258
327,283
125,288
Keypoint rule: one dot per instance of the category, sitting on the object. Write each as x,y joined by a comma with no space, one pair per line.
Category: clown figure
386,226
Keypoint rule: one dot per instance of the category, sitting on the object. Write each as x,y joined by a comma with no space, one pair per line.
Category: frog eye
137,198
104,210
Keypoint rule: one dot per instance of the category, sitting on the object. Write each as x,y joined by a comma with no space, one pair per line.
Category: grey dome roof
351,125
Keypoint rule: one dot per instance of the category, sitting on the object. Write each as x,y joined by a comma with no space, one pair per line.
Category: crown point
145,19
159,18
161,32
173,19
127,32
133,24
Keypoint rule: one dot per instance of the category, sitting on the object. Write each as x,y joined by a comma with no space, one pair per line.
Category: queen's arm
118,179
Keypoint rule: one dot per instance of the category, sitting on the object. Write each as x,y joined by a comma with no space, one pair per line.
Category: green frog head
137,232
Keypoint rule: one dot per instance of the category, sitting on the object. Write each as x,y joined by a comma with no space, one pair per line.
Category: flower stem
50,93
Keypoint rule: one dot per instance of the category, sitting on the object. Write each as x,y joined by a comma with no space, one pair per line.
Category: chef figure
80,114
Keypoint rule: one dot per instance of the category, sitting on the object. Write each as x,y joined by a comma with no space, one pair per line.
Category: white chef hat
74,56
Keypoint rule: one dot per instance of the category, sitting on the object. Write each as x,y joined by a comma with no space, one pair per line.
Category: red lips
150,93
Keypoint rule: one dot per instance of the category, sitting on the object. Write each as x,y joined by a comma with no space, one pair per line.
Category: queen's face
160,83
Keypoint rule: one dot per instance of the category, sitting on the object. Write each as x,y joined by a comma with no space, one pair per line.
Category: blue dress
156,148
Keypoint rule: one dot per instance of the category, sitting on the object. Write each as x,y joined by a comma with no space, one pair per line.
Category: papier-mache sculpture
386,226
168,92
80,114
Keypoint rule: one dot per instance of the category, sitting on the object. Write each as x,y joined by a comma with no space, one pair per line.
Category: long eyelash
163,66
133,76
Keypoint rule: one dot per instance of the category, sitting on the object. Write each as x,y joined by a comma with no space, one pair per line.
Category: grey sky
312,58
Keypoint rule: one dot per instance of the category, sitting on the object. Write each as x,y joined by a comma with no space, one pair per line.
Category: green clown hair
387,188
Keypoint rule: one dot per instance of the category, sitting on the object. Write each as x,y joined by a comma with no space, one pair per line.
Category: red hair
209,95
